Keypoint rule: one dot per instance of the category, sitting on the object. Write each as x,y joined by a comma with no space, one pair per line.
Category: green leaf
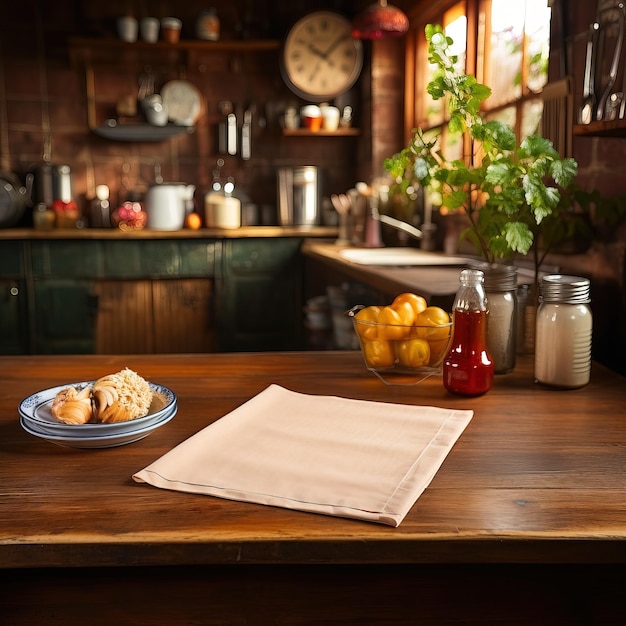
518,237
564,171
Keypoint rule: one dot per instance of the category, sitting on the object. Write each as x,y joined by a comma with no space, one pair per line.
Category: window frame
478,14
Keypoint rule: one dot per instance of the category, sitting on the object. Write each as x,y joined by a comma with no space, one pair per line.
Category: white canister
127,28
221,211
563,332
501,291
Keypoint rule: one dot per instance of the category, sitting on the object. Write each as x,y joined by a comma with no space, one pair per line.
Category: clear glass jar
564,332
468,367
501,291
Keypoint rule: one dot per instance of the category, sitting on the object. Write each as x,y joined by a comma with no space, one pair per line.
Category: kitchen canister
563,332
501,291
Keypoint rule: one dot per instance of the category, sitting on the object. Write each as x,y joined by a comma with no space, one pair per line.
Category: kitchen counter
533,489
186,233
437,284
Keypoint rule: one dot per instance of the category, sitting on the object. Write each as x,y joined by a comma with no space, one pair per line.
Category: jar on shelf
501,291
208,25
563,332
468,367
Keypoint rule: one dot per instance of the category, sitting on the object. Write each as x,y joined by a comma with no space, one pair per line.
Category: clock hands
324,54
334,44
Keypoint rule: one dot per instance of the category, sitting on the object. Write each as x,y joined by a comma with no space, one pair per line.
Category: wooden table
533,491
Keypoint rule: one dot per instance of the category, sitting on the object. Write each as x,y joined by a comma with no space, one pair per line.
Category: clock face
320,58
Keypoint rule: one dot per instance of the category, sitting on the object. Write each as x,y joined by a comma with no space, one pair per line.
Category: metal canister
563,332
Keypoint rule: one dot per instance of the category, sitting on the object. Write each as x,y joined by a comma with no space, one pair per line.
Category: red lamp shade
379,21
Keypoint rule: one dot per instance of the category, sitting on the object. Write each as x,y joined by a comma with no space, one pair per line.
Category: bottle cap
499,277
562,288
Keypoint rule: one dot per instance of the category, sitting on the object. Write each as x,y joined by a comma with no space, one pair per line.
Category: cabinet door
183,319
13,317
64,316
154,316
260,302
124,317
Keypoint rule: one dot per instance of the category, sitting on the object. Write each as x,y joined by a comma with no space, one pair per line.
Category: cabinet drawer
243,256
67,258
160,258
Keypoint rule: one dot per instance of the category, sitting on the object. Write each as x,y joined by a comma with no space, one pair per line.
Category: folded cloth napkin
324,454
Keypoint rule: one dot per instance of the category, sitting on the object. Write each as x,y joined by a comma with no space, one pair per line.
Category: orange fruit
435,320
193,221
418,303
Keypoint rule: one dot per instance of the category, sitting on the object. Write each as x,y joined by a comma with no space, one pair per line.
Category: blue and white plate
35,411
110,440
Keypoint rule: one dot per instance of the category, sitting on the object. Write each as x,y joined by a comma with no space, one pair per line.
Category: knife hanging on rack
587,111
611,20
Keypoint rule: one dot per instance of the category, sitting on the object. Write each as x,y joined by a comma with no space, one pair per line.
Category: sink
399,257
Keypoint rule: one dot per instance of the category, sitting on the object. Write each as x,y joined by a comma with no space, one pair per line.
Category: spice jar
208,25
468,368
563,332
501,291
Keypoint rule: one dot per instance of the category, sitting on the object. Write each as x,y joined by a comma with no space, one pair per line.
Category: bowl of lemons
403,342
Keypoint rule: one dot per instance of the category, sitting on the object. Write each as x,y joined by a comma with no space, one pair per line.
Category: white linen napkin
324,454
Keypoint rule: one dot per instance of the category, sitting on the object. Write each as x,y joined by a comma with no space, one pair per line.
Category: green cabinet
13,299
260,295
137,295
64,316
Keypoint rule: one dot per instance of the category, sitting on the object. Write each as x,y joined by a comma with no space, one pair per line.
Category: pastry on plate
72,406
120,397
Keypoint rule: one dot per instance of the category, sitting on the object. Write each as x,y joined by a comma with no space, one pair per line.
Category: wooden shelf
305,132
139,132
609,128
107,50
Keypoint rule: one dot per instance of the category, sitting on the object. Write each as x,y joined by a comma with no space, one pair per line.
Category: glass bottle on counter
468,367
501,291
100,208
563,332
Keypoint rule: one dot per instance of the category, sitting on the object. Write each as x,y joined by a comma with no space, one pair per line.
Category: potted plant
506,191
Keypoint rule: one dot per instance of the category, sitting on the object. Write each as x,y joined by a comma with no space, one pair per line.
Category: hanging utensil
587,110
246,135
613,18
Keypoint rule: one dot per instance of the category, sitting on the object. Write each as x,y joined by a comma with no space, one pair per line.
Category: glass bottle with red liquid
468,367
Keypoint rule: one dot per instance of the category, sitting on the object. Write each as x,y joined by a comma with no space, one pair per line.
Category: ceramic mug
311,116
330,118
127,28
149,29
170,29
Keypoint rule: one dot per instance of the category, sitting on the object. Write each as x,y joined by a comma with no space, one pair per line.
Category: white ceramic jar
563,332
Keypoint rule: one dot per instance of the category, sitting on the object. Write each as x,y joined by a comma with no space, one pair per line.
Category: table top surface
538,476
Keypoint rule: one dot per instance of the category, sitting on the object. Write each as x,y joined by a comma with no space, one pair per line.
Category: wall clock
320,59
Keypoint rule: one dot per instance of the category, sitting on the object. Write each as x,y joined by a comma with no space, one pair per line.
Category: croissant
71,406
121,397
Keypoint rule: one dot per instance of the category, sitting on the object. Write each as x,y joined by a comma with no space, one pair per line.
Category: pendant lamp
379,21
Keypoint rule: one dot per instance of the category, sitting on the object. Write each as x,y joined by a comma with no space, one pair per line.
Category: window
504,43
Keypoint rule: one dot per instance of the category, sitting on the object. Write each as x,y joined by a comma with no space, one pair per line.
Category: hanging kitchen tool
227,129
612,32
587,111
246,135
14,198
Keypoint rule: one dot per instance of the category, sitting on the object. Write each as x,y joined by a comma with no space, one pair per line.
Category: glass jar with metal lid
563,332
501,291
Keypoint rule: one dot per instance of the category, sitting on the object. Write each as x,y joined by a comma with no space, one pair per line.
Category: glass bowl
402,355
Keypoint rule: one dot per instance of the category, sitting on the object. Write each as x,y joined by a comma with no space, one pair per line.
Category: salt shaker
468,368
563,332
501,290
